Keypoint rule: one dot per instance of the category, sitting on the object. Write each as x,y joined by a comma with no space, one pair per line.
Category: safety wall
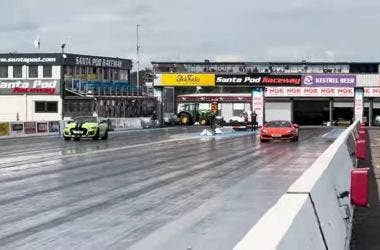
29,128
9,129
282,226
310,215
132,123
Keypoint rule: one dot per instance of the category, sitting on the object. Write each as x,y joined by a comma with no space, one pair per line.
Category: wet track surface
151,189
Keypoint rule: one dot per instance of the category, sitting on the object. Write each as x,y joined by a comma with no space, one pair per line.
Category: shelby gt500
86,127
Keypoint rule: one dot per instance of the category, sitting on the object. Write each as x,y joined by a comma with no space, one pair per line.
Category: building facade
52,86
308,93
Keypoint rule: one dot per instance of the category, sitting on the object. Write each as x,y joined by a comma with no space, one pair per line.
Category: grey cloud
19,27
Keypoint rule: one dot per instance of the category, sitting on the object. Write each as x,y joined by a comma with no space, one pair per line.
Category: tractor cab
189,113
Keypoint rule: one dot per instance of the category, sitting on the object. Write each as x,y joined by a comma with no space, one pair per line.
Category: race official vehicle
279,130
86,127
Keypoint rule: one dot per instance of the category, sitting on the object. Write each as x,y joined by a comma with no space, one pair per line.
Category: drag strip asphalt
150,189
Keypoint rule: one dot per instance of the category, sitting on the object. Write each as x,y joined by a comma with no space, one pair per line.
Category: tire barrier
315,212
360,143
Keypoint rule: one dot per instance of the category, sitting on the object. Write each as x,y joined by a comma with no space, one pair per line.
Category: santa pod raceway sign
257,80
29,87
329,80
308,92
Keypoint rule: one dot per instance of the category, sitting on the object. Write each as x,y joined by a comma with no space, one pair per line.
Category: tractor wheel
203,121
184,119
96,136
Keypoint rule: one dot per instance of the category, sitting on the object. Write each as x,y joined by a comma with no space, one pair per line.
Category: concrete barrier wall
282,225
30,128
129,123
314,194
37,128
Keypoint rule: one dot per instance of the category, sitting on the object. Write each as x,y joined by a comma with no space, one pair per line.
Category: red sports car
279,130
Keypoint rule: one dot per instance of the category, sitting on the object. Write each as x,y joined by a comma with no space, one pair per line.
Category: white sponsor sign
359,104
10,87
28,84
308,92
98,62
258,104
372,92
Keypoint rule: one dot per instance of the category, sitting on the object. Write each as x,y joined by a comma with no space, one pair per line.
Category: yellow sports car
86,127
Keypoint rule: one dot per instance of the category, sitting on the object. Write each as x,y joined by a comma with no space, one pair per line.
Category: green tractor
189,113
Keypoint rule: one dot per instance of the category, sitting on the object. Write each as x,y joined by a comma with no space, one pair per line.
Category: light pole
138,55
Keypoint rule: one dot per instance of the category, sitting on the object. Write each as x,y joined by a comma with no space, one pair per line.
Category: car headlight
289,131
264,131
93,128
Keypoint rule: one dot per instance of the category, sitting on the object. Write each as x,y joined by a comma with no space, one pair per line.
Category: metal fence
104,88
111,106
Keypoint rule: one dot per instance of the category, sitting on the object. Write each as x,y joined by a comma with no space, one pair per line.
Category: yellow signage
4,128
187,80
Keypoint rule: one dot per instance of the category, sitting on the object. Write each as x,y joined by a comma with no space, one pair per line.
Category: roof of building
261,62
64,59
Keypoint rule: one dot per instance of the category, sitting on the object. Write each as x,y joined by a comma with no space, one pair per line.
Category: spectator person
154,119
254,121
245,117
211,118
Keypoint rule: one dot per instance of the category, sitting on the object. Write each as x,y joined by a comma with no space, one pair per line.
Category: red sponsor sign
29,127
257,80
305,92
49,91
281,80
372,92
42,127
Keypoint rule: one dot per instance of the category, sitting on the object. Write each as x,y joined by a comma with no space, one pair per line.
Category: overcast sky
238,30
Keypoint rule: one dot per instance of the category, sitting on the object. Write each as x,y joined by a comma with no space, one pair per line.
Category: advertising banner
29,87
359,96
17,128
42,127
257,80
54,126
69,59
372,92
187,80
97,61
4,128
30,59
329,80
308,92
29,127
258,104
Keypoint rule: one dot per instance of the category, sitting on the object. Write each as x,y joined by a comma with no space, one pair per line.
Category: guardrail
313,213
